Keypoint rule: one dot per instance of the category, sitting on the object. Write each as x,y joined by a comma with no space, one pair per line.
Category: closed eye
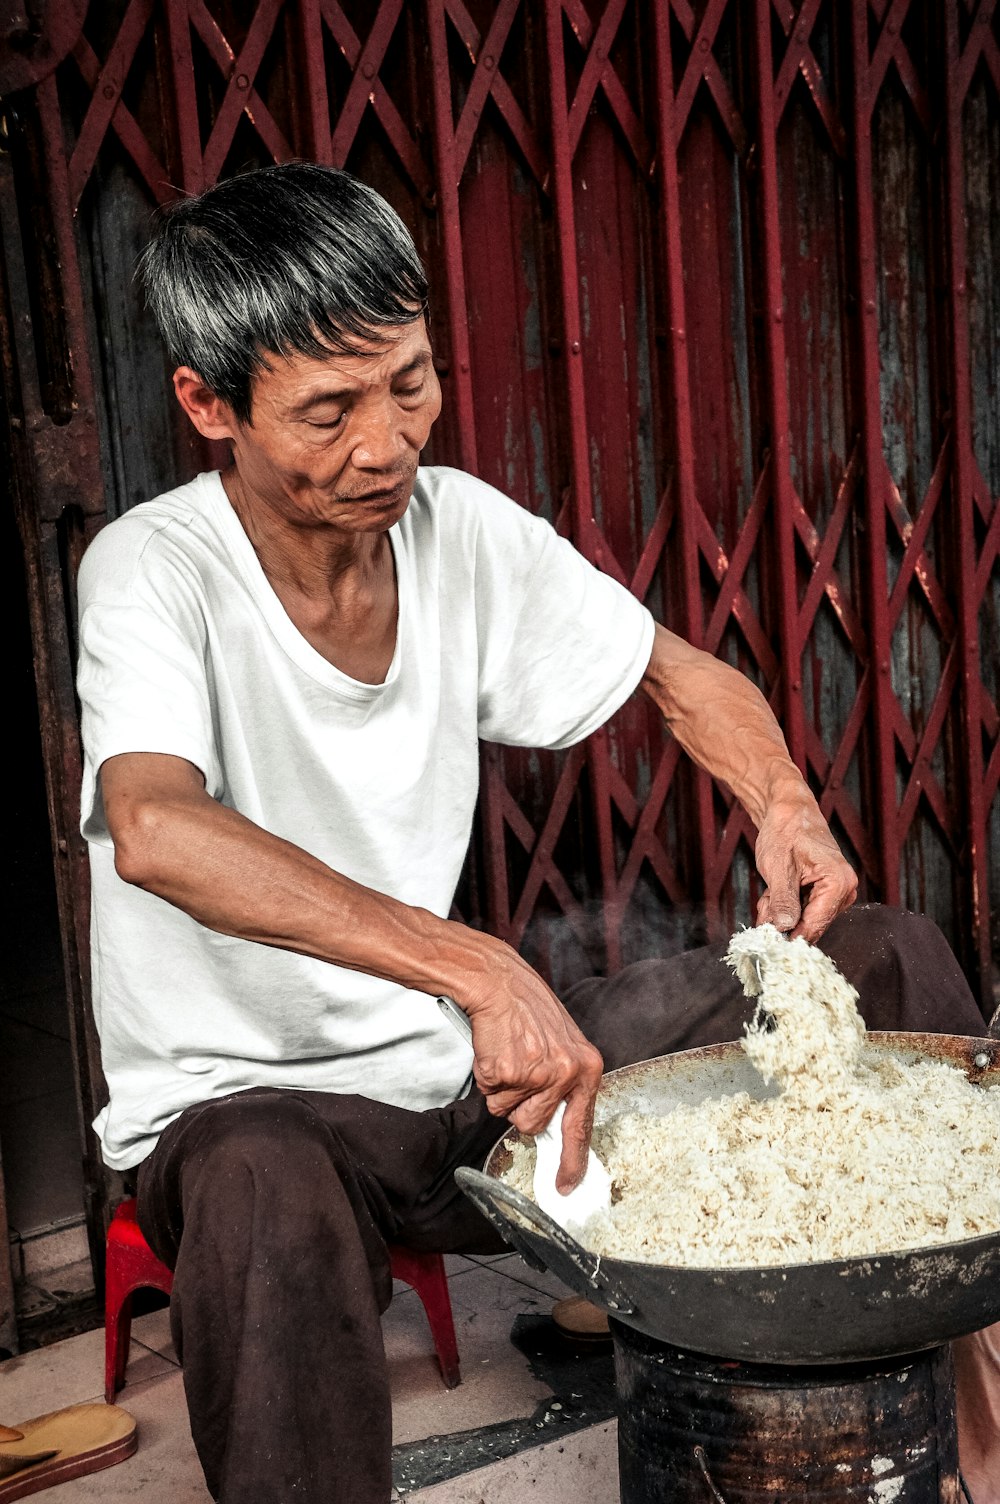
333,423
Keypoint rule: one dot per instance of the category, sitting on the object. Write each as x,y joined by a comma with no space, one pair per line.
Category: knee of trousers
906,973
881,931
871,940
260,1153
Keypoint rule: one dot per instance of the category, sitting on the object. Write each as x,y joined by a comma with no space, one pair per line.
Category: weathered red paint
968,483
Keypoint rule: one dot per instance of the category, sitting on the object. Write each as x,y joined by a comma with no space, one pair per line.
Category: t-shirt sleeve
141,676
561,645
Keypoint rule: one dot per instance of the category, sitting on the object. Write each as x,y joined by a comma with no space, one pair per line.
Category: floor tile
458,1263
497,1383
498,1386
153,1331
66,1373
585,1463
514,1267
165,1468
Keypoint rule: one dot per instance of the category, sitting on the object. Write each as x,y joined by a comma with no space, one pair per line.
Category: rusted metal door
712,291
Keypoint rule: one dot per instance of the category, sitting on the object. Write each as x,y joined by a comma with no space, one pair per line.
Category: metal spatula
591,1197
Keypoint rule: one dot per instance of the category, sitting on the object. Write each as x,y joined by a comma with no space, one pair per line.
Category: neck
311,559
337,588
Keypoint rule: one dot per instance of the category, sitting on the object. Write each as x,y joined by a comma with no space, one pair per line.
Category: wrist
470,966
784,789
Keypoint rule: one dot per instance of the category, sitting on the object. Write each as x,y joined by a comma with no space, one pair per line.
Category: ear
209,414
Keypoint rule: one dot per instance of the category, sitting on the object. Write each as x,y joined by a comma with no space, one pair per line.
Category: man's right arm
173,839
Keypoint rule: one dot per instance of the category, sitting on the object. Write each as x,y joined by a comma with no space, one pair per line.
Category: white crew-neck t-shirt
505,633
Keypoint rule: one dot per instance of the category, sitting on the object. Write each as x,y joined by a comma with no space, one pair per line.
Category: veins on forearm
726,726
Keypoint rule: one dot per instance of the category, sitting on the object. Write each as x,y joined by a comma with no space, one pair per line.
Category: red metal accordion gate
712,291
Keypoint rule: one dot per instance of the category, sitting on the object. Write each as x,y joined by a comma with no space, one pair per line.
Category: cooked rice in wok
853,1157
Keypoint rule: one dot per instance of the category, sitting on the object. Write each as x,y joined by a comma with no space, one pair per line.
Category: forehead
292,377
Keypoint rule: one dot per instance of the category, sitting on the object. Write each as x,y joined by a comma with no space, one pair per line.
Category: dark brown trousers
275,1208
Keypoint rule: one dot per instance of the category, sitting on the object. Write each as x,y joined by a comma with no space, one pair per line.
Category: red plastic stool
132,1265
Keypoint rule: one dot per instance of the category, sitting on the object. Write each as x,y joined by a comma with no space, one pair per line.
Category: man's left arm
726,726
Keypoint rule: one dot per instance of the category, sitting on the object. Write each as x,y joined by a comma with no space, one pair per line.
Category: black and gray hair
280,260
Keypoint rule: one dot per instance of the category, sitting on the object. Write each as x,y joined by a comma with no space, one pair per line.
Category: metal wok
832,1312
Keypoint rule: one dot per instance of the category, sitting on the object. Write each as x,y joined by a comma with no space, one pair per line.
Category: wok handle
702,1461
544,1241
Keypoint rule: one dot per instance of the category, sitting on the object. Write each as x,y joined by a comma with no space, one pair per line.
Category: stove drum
700,1430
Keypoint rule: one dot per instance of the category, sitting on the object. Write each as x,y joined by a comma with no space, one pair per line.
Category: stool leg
433,1292
117,1341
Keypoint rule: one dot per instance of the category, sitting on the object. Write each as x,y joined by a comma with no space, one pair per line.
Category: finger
780,905
827,899
503,1090
505,1103
534,1113
780,900
820,910
578,1124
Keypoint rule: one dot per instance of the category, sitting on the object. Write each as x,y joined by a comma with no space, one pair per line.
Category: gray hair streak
295,258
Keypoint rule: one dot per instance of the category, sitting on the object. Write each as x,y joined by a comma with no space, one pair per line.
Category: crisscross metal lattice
712,292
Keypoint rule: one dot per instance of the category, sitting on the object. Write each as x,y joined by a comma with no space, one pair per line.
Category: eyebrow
333,395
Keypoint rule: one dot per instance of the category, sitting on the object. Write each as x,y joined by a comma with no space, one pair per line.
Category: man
285,671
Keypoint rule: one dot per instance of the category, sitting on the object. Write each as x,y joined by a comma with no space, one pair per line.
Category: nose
380,442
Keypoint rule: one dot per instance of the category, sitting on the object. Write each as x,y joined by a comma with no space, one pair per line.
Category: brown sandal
65,1444
581,1323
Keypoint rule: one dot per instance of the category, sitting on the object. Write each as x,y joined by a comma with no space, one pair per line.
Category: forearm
725,725
238,879
173,839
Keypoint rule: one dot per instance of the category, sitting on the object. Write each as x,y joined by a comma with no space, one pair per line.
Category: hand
530,1056
795,850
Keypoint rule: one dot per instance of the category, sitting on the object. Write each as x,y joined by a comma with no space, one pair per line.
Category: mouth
384,494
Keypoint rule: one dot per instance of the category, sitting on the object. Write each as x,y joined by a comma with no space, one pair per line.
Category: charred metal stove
693,1429
804,1382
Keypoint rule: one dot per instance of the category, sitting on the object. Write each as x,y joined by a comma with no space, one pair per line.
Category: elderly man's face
336,441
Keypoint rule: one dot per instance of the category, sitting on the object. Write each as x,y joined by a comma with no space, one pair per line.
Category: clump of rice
806,1032
854,1157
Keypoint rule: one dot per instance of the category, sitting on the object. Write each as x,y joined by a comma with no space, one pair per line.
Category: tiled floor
530,1420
